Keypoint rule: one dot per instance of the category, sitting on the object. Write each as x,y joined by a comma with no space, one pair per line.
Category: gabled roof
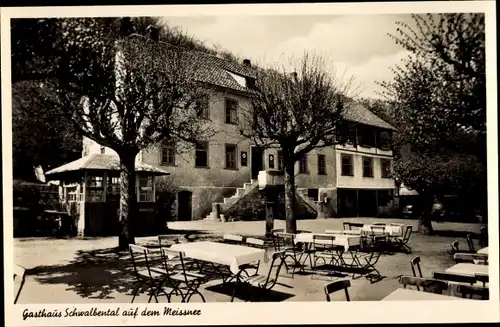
104,162
214,70
358,113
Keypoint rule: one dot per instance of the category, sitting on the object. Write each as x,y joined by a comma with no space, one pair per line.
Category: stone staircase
228,202
303,194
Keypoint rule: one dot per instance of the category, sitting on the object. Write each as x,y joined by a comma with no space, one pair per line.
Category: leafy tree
439,94
298,112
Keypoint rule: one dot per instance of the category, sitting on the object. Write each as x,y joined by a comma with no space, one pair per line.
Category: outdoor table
404,294
390,230
468,269
347,241
229,255
483,250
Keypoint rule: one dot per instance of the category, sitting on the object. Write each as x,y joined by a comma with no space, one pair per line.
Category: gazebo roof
102,162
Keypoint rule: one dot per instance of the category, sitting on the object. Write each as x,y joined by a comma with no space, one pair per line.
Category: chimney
153,32
247,62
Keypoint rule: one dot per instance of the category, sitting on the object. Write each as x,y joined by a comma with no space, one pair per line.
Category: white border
272,313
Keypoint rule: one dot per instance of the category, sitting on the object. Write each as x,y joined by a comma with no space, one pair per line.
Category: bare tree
128,94
297,112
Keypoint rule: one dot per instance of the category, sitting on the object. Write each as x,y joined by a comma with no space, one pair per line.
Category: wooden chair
471,291
232,239
256,243
415,263
478,258
454,247
19,280
379,224
370,255
265,283
287,244
427,284
457,278
303,231
274,238
346,225
337,286
183,282
144,274
402,242
356,225
323,248
470,242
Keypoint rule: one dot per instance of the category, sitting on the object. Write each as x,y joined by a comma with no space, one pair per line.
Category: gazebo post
83,202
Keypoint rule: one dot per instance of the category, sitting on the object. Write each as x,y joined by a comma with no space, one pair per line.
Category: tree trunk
291,224
271,205
128,200
425,218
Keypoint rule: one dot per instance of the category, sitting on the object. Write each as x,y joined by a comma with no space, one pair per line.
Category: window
384,140
280,160
366,137
168,155
303,164
271,161
113,185
146,189
321,164
231,156
201,155
367,167
95,189
72,194
244,158
231,111
202,107
346,162
385,165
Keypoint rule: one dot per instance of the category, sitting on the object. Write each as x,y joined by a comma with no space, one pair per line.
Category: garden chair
367,260
275,240
324,249
337,286
429,285
477,258
470,242
454,247
265,283
346,225
415,263
379,224
334,231
19,280
452,277
144,274
287,244
356,225
303,231
184,282
253,242
402,242
232,239
471,291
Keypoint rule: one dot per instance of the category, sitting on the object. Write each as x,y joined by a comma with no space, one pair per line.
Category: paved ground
86,270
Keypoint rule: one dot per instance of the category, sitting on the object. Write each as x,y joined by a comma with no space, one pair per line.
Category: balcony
269,178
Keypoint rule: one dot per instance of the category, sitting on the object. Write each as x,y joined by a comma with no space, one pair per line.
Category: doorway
257,161
184,207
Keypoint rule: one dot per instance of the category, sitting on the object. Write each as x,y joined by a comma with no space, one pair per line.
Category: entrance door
257,161
367,203
347,203
184,209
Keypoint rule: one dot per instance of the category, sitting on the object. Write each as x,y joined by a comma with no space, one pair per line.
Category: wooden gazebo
90,191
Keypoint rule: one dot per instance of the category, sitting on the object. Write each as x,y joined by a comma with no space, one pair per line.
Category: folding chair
482,292
477,258
232,239
454,247
334,231
253,242
290,251
276,242
346,225
266,282
457,278
303,231
337,286
402,242
186,283
415,262
470,242
429,285
19,276
379,224
145,276
324,249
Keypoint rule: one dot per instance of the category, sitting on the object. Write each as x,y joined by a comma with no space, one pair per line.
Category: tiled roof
98,161
358,113
214,70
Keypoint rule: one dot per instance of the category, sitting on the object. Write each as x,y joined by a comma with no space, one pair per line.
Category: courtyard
87,270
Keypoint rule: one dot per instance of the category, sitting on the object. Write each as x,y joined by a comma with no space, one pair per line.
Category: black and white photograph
172,157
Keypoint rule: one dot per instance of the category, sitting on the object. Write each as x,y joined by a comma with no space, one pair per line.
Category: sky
355,46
